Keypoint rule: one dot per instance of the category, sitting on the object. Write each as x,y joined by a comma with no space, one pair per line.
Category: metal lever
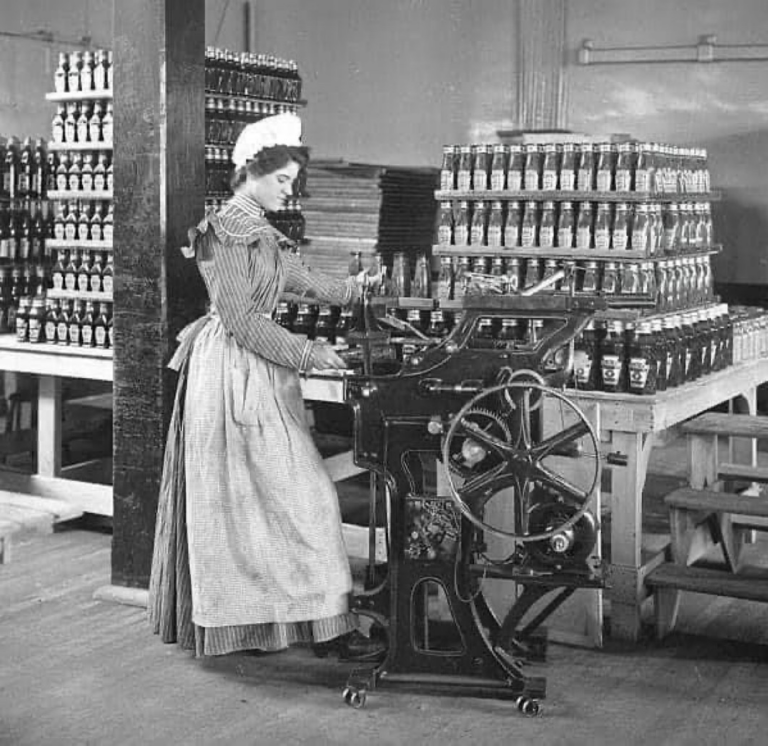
436,386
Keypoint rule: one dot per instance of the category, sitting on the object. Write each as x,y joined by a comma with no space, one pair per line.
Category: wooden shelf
63,243
85,295
71,96
256,99
68,194
523,252
541,195
58,146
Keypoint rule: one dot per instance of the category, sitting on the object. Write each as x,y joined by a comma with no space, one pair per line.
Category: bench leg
732,540
690,534
666,603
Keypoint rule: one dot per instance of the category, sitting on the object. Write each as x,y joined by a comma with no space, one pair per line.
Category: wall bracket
705,50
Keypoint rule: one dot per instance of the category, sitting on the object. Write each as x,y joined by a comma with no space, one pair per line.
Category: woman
248,547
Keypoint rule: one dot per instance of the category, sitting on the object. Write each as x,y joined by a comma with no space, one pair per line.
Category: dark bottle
26,168
660,346
110,327
512,225
532,273
533,167
550,167
39,234
672,347
86,327
421,285
75,327
84,273
62,323
566,227
481,169
612,358
306,317
24,238
22,319
36,321
586,359
107,276
59,270
71,272
477,231
643,361
11,169
100,325
51,320
692,349
283,313
585,176
606,164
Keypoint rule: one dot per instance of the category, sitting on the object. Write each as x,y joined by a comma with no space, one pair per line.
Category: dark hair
269,160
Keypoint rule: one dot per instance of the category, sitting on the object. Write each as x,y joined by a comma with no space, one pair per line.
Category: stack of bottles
240,88
750,333
653,229
64,322
24,223
641,167
649,355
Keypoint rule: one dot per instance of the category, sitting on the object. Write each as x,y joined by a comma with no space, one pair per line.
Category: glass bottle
585,357
448,169
671,229
481,168
533,164
464,172
51,315
460,277
73,174
515,168
107,224
107,285
604,175
566,228
83,123
585,180
513,272
641,231
625,167
512,225
499,167
495,229
550,168
75,327
567,179
87,336
60,80
603,227
57,125
612,358
95,227
477,235
94,123
547,226
62,323
94,274
529,225
445,225
461,224
100,173
106,123
73,73
445,279
532,273
70,124
84,273
62,173
620,228
584,234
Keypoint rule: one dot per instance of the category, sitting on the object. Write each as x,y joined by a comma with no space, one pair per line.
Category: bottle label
497,180
95,232
640,239
21,329
61,331
670,239
638,373
74,334
83,283
583,371
531,179
459,235
82,132
602,238
583,238
446,180
87,334
58,281
82,231
585,180
642,181
603,181
70,281
464,180
87,182
35,331
106,283
567,180
528,235
476,236
61,182
565,238
620,240
514,181
58,133
70,132
494,235
106,233
50,331
611,368
623,180
58,231
100,333
549,180
98,182
546,236
511,235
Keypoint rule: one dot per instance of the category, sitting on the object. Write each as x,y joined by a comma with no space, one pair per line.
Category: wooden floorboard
74,670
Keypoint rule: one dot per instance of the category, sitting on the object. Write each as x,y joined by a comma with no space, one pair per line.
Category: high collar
247,205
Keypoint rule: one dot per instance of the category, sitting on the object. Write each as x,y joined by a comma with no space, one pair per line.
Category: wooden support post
159,136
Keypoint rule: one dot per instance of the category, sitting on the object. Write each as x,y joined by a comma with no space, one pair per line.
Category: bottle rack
78,314
242,88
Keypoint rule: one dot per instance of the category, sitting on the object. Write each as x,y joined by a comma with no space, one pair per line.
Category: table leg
627,482
49,426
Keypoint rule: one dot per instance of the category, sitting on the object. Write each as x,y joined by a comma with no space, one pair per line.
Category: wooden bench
699,519
668,579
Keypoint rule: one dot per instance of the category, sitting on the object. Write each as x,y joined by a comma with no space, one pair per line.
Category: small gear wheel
468,456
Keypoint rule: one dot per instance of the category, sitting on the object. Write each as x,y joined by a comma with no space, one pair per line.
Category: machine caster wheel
355,697
528,706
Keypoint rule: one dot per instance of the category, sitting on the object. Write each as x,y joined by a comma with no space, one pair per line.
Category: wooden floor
78,671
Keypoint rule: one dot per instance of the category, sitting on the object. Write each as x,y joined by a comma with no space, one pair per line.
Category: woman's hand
324,357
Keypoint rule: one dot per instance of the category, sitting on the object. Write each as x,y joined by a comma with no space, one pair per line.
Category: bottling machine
487,470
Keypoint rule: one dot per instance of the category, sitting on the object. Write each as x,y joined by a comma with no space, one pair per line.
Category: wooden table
51,364
629,426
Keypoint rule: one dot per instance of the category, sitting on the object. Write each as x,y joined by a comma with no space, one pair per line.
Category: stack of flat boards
358,207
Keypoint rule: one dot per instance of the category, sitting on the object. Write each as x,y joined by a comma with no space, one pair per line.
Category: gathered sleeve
309,285
238,285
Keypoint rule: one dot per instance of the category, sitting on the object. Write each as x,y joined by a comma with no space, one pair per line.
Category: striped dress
248,545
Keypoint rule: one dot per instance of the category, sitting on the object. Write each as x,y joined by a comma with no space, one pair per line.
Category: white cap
281,129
